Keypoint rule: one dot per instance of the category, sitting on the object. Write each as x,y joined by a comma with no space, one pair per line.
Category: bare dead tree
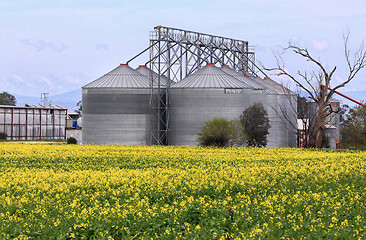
317,83
294,109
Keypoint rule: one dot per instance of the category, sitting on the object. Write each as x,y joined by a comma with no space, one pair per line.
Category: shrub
220,132
3,136
216,132
72,140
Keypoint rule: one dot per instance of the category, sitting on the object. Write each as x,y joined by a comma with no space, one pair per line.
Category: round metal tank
279,104
116,108
281,107
202,96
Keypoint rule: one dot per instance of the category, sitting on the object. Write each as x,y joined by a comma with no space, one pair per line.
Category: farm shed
33,122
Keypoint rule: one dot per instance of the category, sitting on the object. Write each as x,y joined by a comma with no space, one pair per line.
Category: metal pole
359,103
12,123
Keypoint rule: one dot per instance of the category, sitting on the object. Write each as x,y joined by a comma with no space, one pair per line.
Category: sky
59,46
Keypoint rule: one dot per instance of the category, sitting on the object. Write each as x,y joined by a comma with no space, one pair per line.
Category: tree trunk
320,124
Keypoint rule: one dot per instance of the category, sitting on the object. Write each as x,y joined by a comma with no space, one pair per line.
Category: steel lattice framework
176,53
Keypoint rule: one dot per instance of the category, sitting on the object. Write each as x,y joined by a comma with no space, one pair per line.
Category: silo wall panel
191,108
116,116
259,96
282,115
115,129
271,107
291,103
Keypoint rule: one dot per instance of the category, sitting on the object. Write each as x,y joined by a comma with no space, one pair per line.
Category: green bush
3,136
220,132
72,140
215,133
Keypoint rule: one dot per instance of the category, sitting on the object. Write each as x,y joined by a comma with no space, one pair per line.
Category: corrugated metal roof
275,86
247,80
122,76
147,72
36,106
210,77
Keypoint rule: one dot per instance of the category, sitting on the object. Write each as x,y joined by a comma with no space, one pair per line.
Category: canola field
117,192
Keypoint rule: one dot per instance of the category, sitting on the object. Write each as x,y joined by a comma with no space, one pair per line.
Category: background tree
316,83
7,99
354,130
256,125
80,109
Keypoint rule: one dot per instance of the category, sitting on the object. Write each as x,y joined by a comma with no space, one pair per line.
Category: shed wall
32,123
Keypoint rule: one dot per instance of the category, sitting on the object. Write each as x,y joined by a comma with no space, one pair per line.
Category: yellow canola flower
68,191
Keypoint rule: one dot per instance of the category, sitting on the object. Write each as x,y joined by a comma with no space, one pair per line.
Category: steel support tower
176,53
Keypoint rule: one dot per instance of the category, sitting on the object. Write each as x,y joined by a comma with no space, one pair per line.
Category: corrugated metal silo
116,108
275,98
281,108
259,91
202,96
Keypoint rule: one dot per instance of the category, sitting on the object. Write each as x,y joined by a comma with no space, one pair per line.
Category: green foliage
7,99
3,136
71,140
256,125
354,130
216,132
238,135
220,132
80,107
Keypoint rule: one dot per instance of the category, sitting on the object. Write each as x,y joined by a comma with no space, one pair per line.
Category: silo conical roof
210,76
122,76
241,77
147,72
275,86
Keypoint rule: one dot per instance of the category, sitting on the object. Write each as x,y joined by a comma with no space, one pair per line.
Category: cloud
102,46
71,79
295,40
320,45
18,79
47,81
56,46
40,45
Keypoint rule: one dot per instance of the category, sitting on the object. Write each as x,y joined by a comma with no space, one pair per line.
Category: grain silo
281,107
276,99
116,108
259,91
202,96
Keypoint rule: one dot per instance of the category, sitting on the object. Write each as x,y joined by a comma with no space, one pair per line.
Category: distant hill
68,99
